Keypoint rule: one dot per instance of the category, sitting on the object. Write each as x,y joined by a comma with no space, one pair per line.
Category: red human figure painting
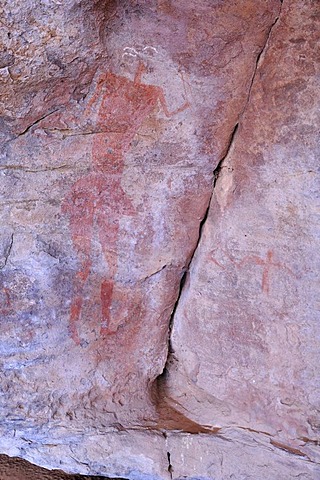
98,200
266,264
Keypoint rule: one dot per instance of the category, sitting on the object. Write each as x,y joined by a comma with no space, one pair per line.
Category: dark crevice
217,172
185,271
150,275
66,132
219,167
7,252
30,170
170,469
36,122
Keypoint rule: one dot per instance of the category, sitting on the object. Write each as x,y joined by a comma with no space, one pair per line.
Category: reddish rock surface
117,122
245,336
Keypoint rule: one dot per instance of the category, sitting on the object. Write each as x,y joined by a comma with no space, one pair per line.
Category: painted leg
79,205
75,313
106,302
108,235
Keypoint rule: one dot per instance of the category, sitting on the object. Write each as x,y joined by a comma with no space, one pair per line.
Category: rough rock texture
118,121
18,469
245,336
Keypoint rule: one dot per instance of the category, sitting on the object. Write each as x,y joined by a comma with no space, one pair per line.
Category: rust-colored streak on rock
169,417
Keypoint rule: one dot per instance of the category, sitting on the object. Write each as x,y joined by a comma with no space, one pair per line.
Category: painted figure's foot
84,273
75,312
106,294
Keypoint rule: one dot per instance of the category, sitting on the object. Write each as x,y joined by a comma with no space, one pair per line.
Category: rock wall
159,248
18,469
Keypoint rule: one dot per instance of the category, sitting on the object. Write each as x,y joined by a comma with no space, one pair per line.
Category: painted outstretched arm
164,105
167,112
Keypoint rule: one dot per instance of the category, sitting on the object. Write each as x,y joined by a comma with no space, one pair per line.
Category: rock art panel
114,121
246,329
104,194
98,198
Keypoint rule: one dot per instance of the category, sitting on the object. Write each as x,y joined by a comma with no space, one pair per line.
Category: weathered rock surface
245,337
18,469
117,119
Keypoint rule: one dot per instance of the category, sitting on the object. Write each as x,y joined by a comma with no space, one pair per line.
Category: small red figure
98,198
266,263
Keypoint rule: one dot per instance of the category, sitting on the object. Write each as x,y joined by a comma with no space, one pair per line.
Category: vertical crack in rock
170,469
7,252
216,174
257,64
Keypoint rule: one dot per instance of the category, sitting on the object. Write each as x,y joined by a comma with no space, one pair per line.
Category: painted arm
164,106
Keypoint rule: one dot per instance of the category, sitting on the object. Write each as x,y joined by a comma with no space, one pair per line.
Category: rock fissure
7,252
36,122
260,58
218,171
291,450
35,170
170,468
72,133
152,274
186,268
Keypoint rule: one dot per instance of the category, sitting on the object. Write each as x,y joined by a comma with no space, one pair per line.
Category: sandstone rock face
245,335
129,347
18,469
